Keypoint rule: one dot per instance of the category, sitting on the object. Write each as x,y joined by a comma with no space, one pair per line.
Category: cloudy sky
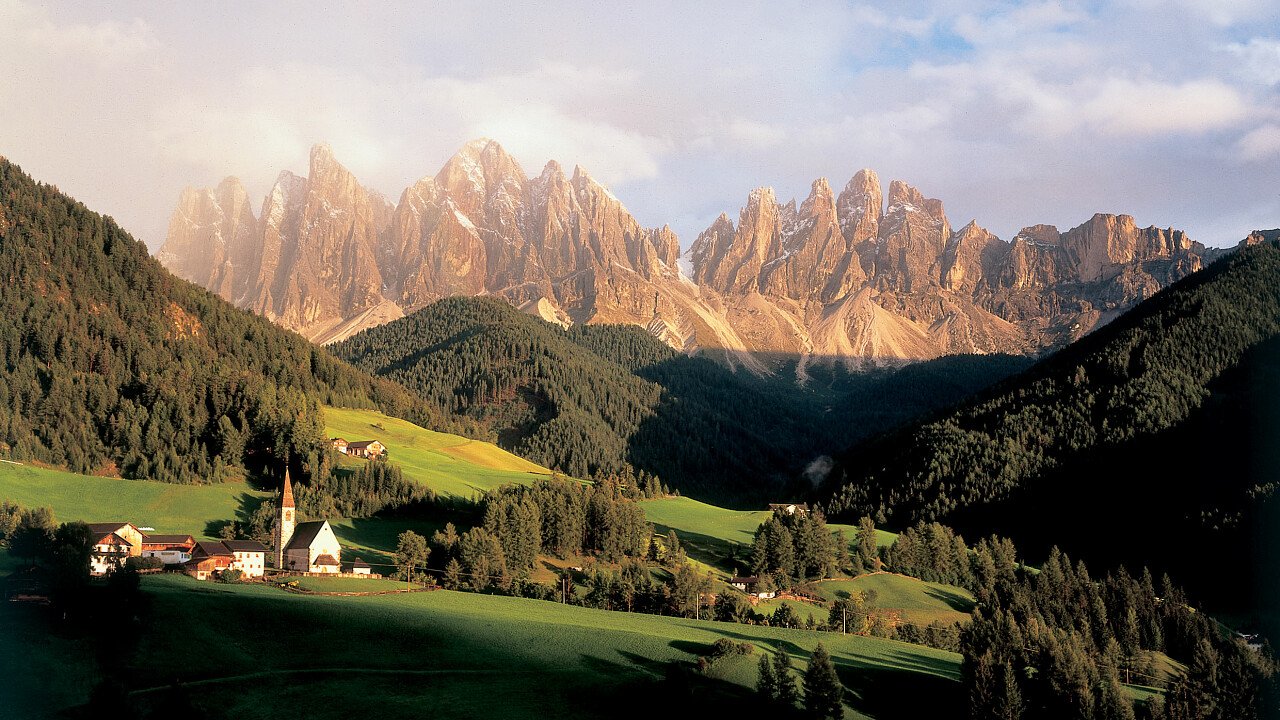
1012,114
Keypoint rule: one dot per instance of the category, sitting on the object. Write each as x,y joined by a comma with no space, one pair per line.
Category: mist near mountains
856,278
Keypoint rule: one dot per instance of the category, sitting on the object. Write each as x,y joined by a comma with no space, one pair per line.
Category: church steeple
286,497
286,521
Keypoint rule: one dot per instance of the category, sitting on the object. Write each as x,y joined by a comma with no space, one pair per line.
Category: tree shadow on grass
953,598
714,551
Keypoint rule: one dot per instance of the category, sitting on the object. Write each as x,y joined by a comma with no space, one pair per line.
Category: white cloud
756,134
1123,106
1259,58
1260,144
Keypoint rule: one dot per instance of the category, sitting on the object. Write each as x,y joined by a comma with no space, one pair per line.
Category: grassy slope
917,601
167,508
709,533
448,464
443,654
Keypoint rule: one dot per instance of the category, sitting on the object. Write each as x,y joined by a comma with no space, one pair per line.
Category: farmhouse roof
361,444
305,533
167,539
244,546
212,549
102,528
326,560
358,563
110,538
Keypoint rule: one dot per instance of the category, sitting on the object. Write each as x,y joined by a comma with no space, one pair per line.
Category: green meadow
916,601
448,464
252,650
719,537
195,509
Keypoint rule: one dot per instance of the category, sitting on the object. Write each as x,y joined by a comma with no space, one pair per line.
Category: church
309,547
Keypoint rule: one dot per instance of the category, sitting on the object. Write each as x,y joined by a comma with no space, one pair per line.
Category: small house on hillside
339,444
366,449
751,585
790,508
208,559
169,549
248,556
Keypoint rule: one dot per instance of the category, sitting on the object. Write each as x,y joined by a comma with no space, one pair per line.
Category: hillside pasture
448,464
197,509
719,537
447,654
916,601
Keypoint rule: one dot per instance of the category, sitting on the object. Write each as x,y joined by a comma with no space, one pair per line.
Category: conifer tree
1008,700
767,682
788,694
822,688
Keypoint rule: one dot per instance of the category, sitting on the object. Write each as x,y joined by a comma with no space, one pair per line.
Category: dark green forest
595,399
1150,440
109,364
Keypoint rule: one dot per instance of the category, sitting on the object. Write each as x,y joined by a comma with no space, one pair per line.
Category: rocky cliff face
847,277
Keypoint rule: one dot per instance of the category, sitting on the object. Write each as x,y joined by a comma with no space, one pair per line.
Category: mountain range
850,276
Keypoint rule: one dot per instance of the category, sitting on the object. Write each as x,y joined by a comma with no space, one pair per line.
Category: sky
1012,113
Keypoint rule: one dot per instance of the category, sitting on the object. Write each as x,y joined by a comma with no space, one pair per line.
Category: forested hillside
595,399
1151,440
111,365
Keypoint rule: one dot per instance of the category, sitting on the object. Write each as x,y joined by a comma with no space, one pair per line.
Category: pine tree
788,694
411,553
1111,703
822,688
767,682
452,578
1008,701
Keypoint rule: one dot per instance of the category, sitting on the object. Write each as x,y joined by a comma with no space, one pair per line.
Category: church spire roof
286,497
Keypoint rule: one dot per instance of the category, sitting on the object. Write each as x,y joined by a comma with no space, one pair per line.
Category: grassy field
917,602
195,509
448,464
718,537
251,651
347,584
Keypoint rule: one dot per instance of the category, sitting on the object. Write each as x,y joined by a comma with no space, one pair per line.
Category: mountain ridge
857,277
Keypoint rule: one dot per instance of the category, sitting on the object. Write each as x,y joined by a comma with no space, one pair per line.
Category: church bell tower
286,520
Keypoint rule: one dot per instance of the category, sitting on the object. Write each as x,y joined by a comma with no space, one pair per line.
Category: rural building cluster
308,548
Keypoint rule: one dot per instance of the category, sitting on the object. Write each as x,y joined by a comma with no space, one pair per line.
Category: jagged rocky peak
860,206
210,233
871,275
821,201
1038,235
971,255
904,197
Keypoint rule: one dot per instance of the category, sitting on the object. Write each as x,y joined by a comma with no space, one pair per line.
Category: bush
230,575
144,563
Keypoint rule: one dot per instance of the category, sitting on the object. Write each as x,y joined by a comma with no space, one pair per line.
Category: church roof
286,496
305,533
325,560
